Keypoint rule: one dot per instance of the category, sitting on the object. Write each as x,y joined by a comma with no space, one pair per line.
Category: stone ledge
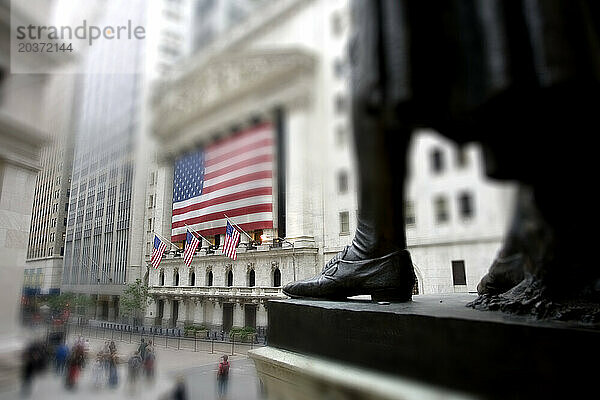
436,339
292,376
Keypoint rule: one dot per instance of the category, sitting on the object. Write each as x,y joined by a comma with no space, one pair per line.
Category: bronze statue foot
387,278
534,297
506,272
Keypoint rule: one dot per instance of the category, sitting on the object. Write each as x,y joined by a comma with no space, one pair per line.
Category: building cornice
20,144
224,80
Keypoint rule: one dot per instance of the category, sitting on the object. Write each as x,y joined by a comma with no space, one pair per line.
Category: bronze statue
520,77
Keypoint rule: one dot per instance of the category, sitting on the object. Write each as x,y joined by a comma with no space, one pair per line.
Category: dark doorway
276,277
161,312
250,315
227,317
252,278
230,278
105,310
175,314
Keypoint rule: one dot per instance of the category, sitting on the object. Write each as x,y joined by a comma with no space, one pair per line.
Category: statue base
434,341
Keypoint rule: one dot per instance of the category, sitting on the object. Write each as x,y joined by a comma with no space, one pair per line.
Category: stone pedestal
435,341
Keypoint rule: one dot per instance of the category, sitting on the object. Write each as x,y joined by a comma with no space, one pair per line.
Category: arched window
230,278
276,277
251,278
209,278
161,279
176,278
193,279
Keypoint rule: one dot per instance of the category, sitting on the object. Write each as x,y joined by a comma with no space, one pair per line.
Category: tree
134,300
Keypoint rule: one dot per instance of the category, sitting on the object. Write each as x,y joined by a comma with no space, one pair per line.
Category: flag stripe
241,139
239,151
244,163
239,180
245,194
235,212
218,229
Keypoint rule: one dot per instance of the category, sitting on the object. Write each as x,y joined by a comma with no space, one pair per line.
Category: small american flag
232,237
157,253
191,244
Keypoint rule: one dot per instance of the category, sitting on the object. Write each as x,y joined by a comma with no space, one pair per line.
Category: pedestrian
142,349
113,376
149,364
61,356
134,365
75,364
98,371
180,392
112,347
223,377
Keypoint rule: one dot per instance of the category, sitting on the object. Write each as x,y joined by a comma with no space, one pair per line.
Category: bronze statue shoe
387,278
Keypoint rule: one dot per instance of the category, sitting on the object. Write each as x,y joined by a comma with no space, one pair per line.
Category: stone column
217,316
111,308
198,313
238,315
151,313
261,316
182,313
299,221
168,308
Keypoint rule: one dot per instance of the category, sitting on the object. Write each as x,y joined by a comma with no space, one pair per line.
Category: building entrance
227,317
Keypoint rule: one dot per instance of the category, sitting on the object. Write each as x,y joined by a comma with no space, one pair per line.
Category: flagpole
244,232
168,241
208,241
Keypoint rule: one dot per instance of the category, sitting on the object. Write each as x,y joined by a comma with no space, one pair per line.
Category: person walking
113,376
142,349
61,356
149,362
134,365
223,377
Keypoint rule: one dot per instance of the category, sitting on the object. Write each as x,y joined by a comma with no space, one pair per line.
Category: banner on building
233,176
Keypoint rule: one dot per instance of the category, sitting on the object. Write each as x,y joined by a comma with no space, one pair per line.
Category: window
149,224
62,251
340,135
437,160
458,272
66,206
53,225
339,68
441,210
151,201
462,158
161,279
337,23
209,278
251,278
340,103
409,213
276,278
465,205
192,281
342,182
176,278
344,223
230,278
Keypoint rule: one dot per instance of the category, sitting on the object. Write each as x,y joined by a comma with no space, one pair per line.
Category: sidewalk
169,364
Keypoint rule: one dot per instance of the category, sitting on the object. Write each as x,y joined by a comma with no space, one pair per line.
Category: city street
198,369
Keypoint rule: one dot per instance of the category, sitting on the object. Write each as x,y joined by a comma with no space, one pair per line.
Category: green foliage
242,334
190,330
69,301
134,300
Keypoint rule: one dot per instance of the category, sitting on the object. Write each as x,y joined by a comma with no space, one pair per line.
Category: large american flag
191,244
232,237
233,176
157,253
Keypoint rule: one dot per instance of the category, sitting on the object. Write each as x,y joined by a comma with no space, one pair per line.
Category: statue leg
549,238
377,262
